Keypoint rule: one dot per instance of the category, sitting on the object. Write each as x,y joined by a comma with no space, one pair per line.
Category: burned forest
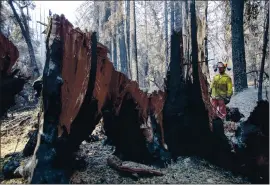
124,97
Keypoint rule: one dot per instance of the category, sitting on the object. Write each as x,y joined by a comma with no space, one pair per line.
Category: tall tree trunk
122,51
179,25
25,32
178,16
104,14
206,42
206,34
238,45
166,35
186,37
41,40
113,38
194,45
265,42
127,36
171,30
172,15
133,43
97,18
1,21
146,67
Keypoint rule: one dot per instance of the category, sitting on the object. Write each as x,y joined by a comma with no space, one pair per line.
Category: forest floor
14,135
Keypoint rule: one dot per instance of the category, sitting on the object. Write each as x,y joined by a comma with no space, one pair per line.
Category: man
221,91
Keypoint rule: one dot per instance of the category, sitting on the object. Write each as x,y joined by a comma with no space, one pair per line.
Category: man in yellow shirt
221,91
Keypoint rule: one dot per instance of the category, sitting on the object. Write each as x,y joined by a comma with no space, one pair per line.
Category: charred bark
176,101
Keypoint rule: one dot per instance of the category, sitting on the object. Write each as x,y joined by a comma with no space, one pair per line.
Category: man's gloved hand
227,100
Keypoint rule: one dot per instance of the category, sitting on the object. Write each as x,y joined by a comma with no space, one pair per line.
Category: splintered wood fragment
116,164
44,24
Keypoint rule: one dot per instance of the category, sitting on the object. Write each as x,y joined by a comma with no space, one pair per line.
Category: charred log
117,164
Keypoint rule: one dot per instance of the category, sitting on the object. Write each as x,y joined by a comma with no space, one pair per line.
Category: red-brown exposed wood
110,85
7,49
75,71
9,85
206,97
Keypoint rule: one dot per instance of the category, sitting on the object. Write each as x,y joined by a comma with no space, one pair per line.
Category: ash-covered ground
187,170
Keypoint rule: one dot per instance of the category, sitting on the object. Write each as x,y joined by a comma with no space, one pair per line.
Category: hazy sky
61,7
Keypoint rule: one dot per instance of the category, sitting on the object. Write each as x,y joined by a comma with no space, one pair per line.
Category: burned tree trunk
176,101
187,110
52,158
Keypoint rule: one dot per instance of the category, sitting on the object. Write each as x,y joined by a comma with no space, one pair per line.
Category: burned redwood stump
80,86
188,116
9,84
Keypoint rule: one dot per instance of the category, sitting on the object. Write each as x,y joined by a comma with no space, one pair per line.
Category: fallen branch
116,164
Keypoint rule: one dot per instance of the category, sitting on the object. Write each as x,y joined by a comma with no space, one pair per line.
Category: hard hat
221,64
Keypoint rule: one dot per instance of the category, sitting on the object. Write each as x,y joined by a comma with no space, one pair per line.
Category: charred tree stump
80,85
187,110
52,160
